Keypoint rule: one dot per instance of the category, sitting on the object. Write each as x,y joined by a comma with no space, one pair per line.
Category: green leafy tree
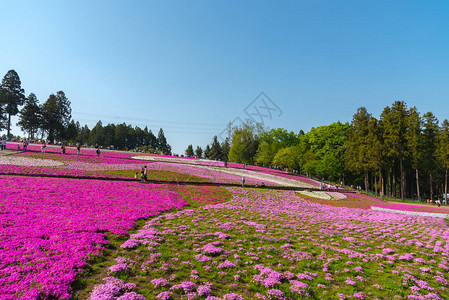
30,116
56,115
189,151
328,144
245,142
270,143
287,158
11,96
199,152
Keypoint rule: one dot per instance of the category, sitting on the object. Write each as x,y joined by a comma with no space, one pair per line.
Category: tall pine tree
11,96
30,116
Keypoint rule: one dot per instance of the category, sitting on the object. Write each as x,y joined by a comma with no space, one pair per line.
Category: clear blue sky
192,66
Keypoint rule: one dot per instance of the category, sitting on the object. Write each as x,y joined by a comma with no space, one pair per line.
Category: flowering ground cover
99,267
71,150
276,245
412,207
352,200
49,227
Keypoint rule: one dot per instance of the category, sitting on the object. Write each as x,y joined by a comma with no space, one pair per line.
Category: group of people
3,144
143,174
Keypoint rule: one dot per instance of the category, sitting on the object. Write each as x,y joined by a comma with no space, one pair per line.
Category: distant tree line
52,120
401,154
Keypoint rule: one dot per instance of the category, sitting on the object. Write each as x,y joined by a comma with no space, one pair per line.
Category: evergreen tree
207,152
96,136
395,126
163,146
357,155
56,115
189,151
121,136
72,131
199,152
83,135
225,148
108,133
30,116
11,96
414,140
430,145
215,149
443,152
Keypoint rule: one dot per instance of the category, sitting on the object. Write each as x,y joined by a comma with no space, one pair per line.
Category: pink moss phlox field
71,150
281,246
49,227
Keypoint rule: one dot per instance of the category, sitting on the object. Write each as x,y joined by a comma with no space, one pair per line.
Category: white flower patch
337,196
319,195
29,162
415,213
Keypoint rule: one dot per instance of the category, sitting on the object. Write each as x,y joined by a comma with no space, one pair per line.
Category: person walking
98,152
142,176
243,181
63,149
43,147
1,144
145,173
78,148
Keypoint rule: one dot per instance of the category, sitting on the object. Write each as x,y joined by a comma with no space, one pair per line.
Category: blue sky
190,67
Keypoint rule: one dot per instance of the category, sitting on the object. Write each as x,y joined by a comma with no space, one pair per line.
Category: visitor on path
78,148
1,145
63,149
98,152
145,173
438,202
43,147
25,145
142,176
243,181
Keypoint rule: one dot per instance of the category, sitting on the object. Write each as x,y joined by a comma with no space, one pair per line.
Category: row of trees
215,151
52,120
401,154
122,136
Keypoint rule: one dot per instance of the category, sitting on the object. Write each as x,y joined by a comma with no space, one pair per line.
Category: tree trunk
366,181
375,184
393,187
417,184
382,183
9,127
431,188
445,187
402,179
